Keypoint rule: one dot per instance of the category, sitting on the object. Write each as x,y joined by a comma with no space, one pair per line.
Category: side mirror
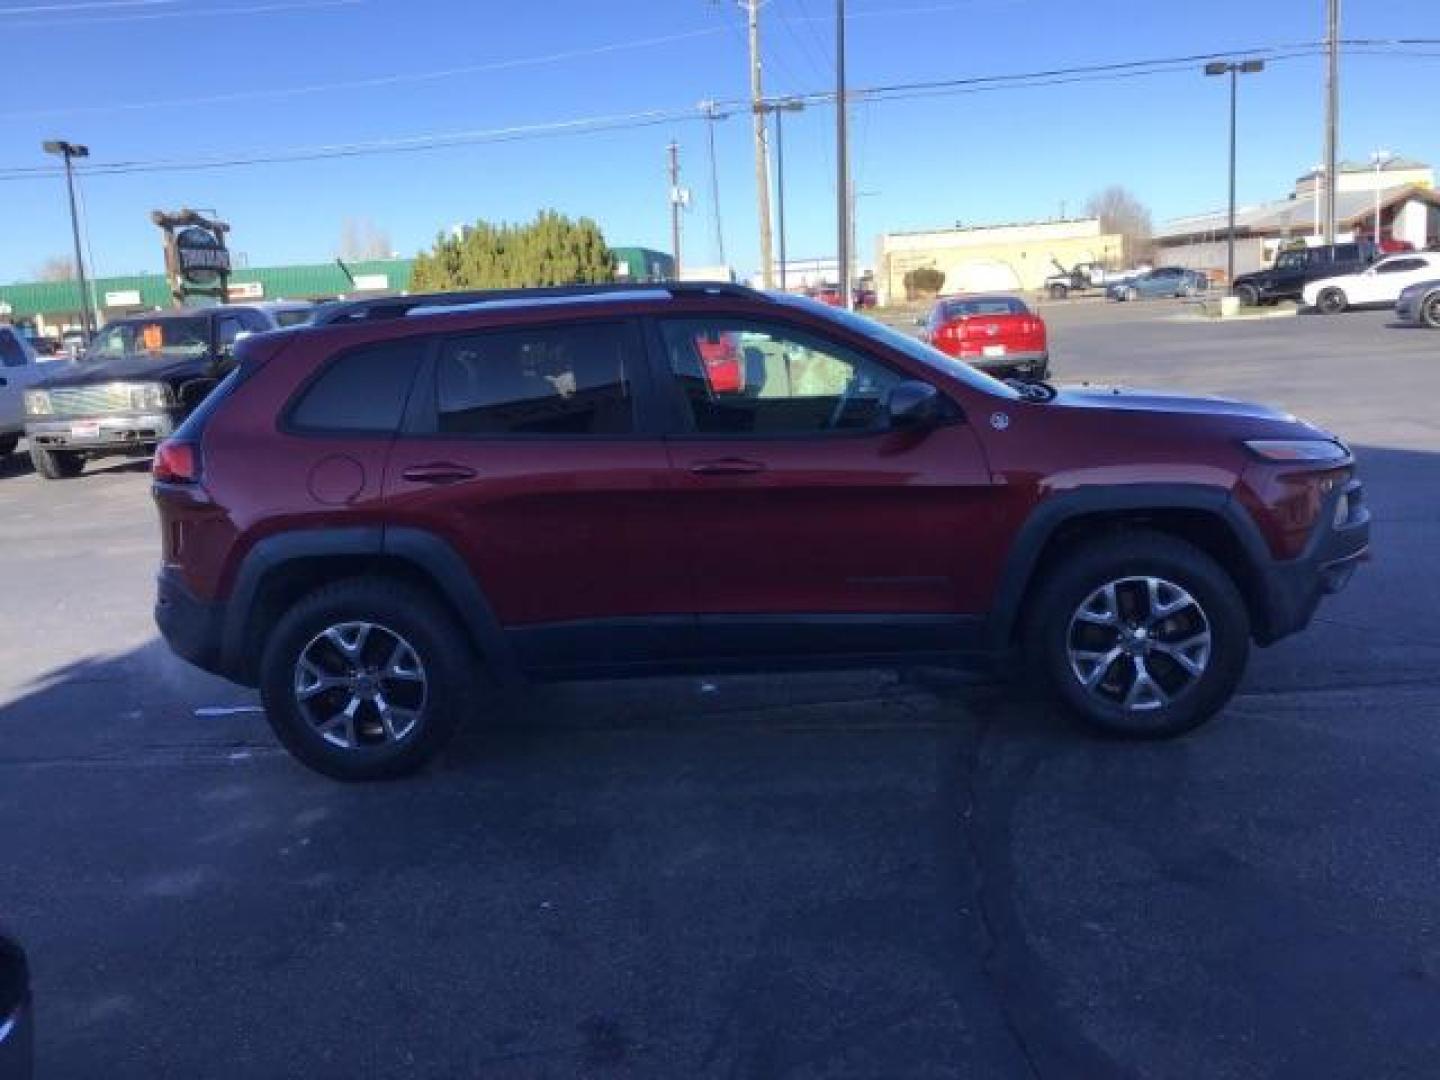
913,406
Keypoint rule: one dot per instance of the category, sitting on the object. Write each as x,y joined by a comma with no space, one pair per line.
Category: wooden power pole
1332,114
762,145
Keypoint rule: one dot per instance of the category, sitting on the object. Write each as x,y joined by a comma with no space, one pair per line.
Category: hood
1159,401
137,367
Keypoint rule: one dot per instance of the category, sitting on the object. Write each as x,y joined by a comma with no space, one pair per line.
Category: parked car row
1378,285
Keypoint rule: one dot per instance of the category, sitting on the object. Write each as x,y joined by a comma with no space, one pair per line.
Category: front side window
546,380
739,377
1291,260
364,390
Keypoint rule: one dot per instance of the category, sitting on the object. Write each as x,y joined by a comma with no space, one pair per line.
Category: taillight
176,463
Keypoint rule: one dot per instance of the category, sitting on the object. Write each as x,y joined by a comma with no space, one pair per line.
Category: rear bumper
114,434
1028,363
1295,587
193,628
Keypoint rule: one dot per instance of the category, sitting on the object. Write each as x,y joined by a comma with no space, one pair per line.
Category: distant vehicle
1165,281
20,368
140,377
74,343
861,296
47,348
1420,304
997,334
1085,277
17,1034
1292,270
1378,286
287,313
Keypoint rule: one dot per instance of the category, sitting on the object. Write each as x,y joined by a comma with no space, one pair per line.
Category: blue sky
76,68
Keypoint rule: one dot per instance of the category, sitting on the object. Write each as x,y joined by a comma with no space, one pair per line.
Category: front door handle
727,467
439,472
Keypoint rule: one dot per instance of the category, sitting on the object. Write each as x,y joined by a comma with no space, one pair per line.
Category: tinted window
546,380
161,337
255,322
741,377
1346,252
12,353
1400,266
363,390
985,305
293,316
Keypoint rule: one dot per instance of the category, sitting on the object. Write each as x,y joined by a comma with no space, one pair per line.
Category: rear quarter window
361,390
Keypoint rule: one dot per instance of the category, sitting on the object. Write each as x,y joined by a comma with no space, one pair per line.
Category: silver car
1419,305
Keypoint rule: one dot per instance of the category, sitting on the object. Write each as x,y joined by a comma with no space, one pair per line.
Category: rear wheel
56,464
1132,293
1331,302
1140,635
366,679
1430,311
1248,295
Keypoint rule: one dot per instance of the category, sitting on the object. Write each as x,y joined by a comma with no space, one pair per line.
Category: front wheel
8,444
366,679
1430,312
1331,302
1139,635
56,464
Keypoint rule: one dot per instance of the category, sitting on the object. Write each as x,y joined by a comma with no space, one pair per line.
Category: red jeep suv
377,518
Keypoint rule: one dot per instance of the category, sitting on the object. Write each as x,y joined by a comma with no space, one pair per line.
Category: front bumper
117,433
1295,587
189,625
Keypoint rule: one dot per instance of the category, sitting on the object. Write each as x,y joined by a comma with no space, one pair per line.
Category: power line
187,13
584,125
85,5
279,93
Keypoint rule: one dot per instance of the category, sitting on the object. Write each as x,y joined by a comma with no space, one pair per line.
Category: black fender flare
429,554
1022,564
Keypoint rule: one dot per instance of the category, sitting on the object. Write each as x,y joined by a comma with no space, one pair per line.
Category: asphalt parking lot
872,874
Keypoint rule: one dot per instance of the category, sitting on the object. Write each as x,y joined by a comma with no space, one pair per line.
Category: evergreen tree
551,250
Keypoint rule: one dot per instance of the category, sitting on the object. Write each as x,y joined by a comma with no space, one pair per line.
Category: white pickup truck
19,367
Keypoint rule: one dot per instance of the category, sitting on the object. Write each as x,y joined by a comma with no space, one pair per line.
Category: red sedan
997,334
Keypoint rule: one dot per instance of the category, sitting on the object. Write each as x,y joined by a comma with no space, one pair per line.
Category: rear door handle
439,472
727,467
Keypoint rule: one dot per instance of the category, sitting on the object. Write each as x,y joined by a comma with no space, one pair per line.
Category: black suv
1293,270
140,377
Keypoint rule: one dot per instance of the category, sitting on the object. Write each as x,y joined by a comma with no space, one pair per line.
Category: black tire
8,444
1430,311
446,662
56,464
1248,295
1331,302
1054,623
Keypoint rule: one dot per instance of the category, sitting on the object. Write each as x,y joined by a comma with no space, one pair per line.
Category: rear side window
544,380
363,390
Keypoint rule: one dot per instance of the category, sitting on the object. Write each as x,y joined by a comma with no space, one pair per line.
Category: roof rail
395,307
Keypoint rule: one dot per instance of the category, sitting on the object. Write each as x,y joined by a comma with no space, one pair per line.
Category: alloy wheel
360,684
1138,643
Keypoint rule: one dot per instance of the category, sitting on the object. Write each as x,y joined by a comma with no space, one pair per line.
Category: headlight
37,403
1298,450
149,396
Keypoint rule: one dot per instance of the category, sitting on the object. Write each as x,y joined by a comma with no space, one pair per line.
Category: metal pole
762,150
86,317
780,185
842,158
1332,113
1230,240
711,117
1378,159
675,205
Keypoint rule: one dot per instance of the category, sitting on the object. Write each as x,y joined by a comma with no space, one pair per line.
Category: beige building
993,258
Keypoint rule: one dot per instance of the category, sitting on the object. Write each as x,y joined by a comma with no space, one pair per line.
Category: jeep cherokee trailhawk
377,518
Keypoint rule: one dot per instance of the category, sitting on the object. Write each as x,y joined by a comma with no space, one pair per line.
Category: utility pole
69,151
762,145
1332,112
842,159
675,203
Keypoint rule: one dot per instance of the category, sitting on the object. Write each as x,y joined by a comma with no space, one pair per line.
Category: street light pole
69,151
779,108
1235,70
842,159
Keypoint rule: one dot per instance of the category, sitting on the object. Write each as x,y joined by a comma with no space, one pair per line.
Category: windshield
157,337
912,347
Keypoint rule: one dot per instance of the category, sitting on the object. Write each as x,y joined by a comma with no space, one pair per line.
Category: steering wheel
843,402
